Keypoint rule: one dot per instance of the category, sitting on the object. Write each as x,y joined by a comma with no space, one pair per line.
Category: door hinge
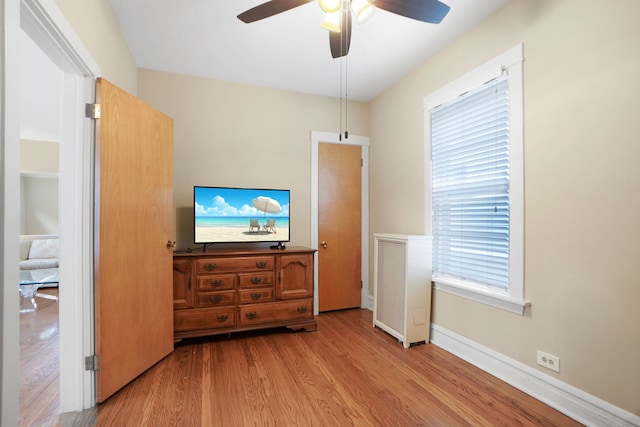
92,111
361,284
91,363
361,163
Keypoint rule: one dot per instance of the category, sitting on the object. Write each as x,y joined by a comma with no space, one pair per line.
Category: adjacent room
419,213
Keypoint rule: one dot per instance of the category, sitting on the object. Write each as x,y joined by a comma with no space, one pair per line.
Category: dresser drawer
217,282
231,264
250,296
203,318
216,299
253,280
276,312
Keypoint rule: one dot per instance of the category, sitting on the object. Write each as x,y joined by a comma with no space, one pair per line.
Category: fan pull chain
346,74
343,73
346,97
340,131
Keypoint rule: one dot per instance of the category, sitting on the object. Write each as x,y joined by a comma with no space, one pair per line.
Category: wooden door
134,222
339,226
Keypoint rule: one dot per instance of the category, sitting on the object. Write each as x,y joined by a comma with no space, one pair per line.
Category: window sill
494,298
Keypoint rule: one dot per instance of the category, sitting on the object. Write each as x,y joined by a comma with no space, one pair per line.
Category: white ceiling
286,51
40,92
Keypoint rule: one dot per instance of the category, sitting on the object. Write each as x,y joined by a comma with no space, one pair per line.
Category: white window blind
470,186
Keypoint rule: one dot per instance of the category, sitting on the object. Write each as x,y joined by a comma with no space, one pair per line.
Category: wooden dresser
224,291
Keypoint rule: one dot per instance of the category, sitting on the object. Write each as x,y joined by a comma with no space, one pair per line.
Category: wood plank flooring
39,364
347,373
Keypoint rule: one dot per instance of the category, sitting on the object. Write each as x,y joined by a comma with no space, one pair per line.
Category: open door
134,228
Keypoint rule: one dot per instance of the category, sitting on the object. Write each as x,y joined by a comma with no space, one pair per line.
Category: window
474,141
470,186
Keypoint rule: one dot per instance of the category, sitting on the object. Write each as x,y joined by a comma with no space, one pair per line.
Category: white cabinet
402,286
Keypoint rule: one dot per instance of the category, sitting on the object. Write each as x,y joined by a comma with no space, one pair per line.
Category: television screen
235,215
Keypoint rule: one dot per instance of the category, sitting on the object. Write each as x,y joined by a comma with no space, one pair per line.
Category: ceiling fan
338,15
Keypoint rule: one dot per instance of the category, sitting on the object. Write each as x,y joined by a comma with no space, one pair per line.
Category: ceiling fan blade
268,9
432,11
340,42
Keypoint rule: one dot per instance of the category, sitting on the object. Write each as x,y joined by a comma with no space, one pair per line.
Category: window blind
470,186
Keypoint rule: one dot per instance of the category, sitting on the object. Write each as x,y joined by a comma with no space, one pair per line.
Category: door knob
171,244
323,244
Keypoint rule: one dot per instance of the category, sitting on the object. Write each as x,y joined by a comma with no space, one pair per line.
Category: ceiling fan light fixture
363,9
330,6
331,22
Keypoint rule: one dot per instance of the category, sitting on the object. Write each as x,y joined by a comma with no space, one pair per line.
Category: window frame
508,64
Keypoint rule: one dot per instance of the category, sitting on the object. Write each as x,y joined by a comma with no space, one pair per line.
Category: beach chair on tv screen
270,226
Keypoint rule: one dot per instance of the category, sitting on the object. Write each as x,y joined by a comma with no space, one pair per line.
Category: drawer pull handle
215,282
256,296
216,298
256,280
210,267
222,317
261,264
302,309
251,315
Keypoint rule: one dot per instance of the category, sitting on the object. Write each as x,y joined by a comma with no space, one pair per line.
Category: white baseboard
369,301
575,403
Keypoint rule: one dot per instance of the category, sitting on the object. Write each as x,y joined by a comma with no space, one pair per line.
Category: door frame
43,21
318,137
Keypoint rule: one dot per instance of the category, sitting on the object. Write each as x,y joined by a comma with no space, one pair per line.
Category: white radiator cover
402,286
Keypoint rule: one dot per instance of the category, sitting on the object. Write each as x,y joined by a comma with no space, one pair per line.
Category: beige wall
39,187
229,134
95,24
39,156
581,151
39,205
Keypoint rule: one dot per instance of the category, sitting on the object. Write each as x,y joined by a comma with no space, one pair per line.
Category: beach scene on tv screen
241,215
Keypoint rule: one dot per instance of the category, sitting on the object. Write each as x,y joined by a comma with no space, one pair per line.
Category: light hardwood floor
347,373
39,363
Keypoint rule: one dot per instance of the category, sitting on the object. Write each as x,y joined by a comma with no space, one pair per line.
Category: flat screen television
240,215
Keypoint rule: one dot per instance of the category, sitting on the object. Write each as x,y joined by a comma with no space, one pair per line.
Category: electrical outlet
549,361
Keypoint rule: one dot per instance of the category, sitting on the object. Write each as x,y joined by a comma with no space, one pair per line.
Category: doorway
43,22
366,300
39,365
